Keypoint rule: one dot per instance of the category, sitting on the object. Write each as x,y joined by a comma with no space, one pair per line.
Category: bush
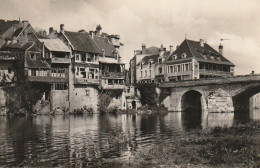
148,93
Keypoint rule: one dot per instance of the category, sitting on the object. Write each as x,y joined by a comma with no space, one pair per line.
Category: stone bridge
212,95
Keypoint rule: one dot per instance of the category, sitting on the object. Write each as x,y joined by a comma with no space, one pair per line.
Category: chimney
25,23
14,40
62,27
98,30
171,49
44,32
91,33
220,49
201,42
143,48
161,50
50,30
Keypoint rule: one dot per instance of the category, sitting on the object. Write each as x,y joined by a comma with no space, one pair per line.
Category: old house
84,72
57,54
197,60
111,67
150,68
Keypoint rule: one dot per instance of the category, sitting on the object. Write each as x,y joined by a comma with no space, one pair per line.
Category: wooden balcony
86,81
60,60
112,75
112,86
214,72
47,79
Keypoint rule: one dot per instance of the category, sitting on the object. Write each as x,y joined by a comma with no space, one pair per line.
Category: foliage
103,102
236,146
164,93
148,93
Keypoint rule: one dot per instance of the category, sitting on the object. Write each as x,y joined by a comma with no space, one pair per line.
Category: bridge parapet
213,81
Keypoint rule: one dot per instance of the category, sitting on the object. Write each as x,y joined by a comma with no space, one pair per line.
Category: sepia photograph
130,83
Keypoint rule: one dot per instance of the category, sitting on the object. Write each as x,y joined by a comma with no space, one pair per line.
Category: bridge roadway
212,95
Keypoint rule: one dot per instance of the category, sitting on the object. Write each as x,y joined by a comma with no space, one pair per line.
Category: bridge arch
192,99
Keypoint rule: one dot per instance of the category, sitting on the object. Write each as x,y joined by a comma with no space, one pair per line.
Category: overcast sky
154,22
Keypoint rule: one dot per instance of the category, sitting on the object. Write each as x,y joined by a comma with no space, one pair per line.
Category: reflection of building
196,60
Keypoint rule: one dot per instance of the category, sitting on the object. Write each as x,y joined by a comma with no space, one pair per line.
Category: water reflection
94,140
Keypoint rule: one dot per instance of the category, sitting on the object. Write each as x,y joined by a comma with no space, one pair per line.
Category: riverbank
236,146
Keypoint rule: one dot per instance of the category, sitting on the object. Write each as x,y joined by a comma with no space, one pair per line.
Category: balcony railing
47,79
86,81
113,86
61,60
4,55
112,74
214,72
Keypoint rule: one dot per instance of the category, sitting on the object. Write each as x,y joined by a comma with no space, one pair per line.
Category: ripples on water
93,140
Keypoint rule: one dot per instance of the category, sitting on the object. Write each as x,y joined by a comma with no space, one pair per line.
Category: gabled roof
146,59
38,63
55,45
82,42
31,46
104,43
204,54
152,50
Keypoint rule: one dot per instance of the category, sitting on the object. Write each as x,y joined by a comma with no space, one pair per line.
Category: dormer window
218,58
174,57
142,63
160,60
32,56
212,57
204,56
150,63
183,55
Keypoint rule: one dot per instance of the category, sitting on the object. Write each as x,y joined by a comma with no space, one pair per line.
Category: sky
154,22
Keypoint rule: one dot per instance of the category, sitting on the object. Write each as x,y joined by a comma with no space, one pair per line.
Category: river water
94,140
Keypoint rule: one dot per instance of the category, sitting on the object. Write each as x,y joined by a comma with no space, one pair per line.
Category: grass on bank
236,146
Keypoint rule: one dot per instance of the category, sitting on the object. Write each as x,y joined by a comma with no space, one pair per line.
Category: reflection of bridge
214,95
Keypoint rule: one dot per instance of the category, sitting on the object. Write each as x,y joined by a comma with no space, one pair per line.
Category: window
150,73
58,72
184,55
87,92
32,56
179,68
145,73
160,60
141,74
77,57
174,57
160,70
10,70
83,57
59,86
171,69
37,72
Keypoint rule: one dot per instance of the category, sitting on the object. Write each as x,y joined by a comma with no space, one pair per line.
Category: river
94,140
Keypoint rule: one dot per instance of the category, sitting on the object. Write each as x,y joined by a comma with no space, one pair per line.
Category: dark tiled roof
42,36
38,63
104,43
193,49
149,57
31,46
18,31
152,50
5,25
82,42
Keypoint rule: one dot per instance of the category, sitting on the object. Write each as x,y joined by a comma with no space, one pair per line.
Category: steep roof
82,42
193,49
104,43
146,59
37,63
55,45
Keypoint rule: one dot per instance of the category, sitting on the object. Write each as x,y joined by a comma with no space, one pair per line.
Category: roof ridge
189,48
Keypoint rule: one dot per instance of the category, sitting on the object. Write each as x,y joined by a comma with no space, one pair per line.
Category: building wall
59,99
147,69
84,96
